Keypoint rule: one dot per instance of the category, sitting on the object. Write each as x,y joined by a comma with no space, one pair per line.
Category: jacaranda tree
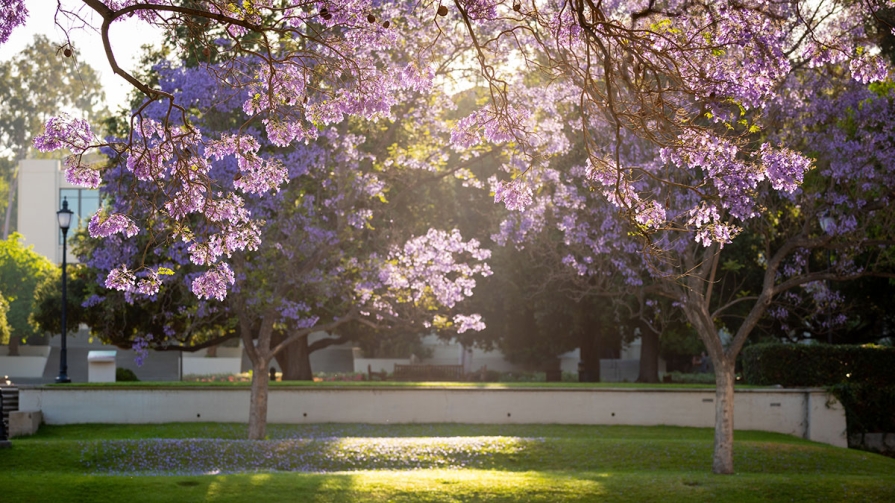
326,255
837,225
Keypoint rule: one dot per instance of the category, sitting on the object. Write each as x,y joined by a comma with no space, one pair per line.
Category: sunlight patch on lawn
260,479
475,481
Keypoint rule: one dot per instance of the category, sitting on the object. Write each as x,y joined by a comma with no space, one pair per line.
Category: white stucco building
42,186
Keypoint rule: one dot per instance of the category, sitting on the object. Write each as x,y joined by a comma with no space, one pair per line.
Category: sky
127,37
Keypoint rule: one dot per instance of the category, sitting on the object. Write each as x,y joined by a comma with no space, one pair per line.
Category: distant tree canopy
46,315
35,85
21,269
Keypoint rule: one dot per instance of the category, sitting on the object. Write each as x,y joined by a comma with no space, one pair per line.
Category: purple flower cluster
213,282
428,266
515,195
145,283
100,227
12,13
65,131
140,347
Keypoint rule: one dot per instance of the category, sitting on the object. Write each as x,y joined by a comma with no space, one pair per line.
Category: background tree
868,312
534,314
21,269
36,84
4,324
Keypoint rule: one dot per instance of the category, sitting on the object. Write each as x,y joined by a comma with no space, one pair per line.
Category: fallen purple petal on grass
313,454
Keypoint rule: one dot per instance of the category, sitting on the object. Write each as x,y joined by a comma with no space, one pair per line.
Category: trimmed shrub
797,365
123,375
693,378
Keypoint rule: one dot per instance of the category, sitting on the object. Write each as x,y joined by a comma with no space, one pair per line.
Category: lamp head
63,216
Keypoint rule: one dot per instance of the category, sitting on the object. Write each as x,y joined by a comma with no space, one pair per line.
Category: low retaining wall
807,413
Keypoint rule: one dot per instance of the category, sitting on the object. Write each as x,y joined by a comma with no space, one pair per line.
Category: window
82,202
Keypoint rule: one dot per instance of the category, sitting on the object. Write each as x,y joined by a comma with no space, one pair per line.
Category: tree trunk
589,368
649,356
722,460
696,310
294,359
13,344
13,187
258,406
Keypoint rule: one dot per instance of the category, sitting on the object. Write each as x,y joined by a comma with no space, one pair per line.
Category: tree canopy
21,269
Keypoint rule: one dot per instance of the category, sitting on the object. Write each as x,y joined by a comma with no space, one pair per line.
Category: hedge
798,365
862,378
868,408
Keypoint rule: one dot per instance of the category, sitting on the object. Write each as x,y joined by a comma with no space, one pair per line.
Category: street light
63,216
826,225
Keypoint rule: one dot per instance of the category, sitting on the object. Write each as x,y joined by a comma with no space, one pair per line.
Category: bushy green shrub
123,375
693,378
339,376
797,365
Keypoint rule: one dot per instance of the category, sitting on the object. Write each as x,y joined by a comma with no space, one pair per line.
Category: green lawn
334,463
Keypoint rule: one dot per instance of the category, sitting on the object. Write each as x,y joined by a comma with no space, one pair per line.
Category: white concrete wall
810,414
227,361
30,363
221,352
825,418
209,366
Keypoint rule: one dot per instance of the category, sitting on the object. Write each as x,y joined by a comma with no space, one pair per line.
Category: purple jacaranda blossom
515,195
80,174
12,14
101,226
120,279
213,283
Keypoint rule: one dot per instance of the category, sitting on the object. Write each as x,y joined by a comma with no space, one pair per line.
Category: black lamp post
63,216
